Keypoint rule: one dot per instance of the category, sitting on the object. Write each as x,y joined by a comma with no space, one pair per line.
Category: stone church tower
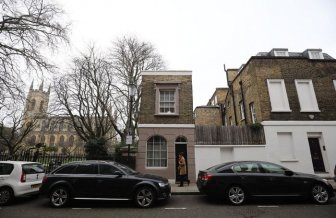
37,102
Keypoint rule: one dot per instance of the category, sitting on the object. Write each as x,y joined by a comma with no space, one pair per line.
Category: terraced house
293,96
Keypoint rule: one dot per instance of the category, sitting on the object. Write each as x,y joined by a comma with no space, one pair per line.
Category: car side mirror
118,173
289,173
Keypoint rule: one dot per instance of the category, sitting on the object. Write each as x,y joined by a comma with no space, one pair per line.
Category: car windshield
33,168
126,169
216,167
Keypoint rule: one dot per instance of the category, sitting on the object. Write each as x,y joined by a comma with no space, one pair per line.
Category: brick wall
208,116
147,108
254,82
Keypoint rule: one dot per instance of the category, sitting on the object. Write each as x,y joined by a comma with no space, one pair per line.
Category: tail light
44,179
206,177
23,177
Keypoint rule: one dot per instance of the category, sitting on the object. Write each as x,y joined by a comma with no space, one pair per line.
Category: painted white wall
295,155
210,155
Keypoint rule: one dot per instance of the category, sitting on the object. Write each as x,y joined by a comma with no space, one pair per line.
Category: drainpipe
233,98
243,100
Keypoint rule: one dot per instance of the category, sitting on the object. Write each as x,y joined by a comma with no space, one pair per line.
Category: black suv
103,180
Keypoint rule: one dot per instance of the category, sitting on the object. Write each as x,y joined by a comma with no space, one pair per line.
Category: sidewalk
193,190
185,190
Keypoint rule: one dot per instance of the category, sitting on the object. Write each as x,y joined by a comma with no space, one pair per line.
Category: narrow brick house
166,124
293,95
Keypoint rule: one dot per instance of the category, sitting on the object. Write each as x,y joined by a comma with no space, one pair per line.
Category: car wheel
6,196
145,197
320,194
236,195
59,196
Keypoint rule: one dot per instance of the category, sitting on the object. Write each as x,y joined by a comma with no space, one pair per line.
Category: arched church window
41,106
33,102
71,140
52,140
61,142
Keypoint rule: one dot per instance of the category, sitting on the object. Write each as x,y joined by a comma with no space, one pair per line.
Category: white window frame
315,107
334,84
156,167
167,87
242,112
312,53
171,92
281,53
286,107
253,113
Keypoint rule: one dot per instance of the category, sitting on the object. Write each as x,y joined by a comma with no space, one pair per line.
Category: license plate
35,186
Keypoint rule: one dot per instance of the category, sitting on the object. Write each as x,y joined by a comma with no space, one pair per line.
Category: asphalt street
178,206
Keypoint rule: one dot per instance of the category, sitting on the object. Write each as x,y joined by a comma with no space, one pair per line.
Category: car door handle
100,180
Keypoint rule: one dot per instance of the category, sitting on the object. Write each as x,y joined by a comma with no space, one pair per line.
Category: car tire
320,194
59,197
236,195
6,196
145,197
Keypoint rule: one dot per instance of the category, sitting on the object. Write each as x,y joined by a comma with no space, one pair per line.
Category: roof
303,54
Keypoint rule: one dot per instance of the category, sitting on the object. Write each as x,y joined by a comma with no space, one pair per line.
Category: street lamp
129,139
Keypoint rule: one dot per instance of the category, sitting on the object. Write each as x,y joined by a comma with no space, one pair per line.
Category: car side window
66,169
272,168
87,169
6,169
246,168
107,169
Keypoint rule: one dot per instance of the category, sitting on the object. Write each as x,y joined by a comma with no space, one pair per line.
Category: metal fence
229,135
52,161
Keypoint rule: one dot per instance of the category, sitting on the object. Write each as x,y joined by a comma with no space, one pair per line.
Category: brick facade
168,126
208,116
255,73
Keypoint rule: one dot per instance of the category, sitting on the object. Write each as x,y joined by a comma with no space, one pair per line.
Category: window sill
167,115
281,111
310,111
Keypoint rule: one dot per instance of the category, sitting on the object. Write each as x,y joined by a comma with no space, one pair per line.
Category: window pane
107,169
157,154
6,169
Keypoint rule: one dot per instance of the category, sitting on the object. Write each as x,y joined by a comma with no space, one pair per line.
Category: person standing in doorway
182,169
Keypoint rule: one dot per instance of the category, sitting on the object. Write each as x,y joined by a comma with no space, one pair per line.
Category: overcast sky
200,35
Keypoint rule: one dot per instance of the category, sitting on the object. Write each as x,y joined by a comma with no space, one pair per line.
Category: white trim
310,54
277,53
166,125
298,123
165,73
312,94
285,106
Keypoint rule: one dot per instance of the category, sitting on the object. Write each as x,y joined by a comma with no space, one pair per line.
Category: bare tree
85,95
14,128
27,28
129,57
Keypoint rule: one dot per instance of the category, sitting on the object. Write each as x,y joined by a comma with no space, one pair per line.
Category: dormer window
281,53
315,54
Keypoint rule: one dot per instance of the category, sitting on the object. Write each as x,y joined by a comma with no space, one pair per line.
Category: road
185,206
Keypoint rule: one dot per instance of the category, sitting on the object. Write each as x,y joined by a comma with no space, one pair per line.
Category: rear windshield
32,168
6,168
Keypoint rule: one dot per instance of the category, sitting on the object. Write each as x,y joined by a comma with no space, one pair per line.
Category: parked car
103,180
237,181
19,178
